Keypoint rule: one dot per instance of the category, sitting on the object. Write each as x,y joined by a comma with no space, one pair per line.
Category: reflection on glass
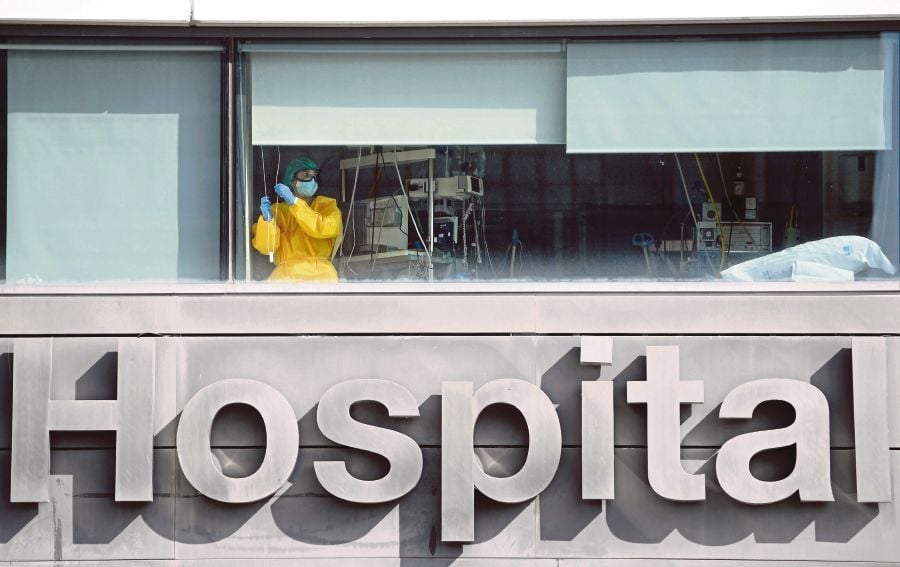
113,166
537,213
668,159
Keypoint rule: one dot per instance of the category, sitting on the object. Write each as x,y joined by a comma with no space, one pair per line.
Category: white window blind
113,165
730,95
407,95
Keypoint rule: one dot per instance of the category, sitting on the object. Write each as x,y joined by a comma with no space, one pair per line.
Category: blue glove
285,193
265,207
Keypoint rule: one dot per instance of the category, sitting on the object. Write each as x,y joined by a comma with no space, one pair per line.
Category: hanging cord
278,164
408,209
510,256
715,213
475,229
465,217
790,231
686,194
374,257
262,157
350,219
487,250
694,237
275,209
374,245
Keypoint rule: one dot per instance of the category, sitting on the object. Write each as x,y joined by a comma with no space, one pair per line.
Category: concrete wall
304,525
468,12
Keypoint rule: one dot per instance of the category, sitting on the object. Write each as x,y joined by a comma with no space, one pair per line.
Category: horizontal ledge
831,312
636,287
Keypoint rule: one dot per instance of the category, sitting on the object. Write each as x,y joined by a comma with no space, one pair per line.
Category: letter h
35,415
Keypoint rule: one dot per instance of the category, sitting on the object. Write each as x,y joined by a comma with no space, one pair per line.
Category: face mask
308,188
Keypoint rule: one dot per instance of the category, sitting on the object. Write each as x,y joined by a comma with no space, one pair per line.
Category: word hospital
663,393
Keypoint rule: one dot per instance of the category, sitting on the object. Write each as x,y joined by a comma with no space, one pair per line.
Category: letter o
195,452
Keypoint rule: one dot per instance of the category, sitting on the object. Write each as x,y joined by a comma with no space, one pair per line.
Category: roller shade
408,95
113,165
730,95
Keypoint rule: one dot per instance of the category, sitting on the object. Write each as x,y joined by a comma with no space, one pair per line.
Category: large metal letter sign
809,432
131,415
663,393
402,452
870,403
461,470
597,441
35,415
195,453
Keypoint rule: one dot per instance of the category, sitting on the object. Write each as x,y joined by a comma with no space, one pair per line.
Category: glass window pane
113,166
705,209
730,95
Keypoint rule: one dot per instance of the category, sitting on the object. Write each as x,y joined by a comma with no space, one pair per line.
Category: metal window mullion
228,162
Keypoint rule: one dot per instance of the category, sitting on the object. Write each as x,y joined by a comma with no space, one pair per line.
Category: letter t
664,393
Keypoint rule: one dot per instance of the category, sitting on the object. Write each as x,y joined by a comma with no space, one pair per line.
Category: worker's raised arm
321,221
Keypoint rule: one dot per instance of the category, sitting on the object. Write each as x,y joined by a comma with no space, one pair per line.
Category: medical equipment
710,210
455,187
396,158
445,232
745,237
379,225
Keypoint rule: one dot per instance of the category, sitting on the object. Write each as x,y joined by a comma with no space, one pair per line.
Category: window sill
453,288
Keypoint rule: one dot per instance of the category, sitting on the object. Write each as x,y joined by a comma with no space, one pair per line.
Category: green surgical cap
297,165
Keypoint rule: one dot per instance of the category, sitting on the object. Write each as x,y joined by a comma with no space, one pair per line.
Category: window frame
141,43
228,41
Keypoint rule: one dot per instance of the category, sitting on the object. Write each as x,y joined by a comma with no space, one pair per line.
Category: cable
373,194
262,158
399,210
275,209
715,214
415,223
509,259
352,212
526,260
374,256
686,194
487,250
278,163
465,233
665,228
475,229
793,225
269,236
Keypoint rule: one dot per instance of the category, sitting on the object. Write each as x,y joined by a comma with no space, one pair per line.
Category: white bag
846,253
812,272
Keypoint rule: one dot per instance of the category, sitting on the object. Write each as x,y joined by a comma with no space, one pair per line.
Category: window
113,164
585,160
673,159
687,159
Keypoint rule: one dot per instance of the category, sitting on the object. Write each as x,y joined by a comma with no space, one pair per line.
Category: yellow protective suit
302,237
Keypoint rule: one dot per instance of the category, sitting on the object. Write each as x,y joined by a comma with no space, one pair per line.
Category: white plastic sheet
828,259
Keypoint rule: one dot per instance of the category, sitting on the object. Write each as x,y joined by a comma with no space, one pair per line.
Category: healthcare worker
301,230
